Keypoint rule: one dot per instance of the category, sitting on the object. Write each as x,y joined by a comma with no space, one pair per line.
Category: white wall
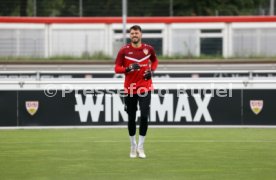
183,39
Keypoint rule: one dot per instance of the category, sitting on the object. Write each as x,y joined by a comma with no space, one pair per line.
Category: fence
171,36
85,8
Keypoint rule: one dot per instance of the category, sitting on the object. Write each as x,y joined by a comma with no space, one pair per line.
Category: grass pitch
171,154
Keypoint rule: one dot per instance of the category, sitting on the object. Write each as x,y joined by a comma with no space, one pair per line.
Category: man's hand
147,74
133,67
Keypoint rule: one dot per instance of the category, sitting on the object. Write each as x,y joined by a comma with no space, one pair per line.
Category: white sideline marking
125,126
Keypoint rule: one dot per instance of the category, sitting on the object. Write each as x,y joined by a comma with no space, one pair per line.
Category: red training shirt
134,80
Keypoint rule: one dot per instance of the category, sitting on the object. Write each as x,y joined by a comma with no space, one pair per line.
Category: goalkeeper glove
133,67
147,74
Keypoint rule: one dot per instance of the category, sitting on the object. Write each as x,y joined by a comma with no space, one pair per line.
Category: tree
49,8
23,7
9,8
102,8
135,8
70,8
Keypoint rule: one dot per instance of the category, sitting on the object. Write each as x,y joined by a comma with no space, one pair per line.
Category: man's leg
144,103
131,108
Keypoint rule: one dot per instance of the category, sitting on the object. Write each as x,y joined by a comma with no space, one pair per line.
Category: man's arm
154,60
119,68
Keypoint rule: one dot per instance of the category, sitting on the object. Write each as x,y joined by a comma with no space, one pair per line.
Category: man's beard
135,42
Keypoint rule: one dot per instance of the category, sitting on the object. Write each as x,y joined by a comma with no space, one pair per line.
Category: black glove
133,67
147,74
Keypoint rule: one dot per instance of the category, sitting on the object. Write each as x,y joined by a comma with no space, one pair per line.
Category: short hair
135,27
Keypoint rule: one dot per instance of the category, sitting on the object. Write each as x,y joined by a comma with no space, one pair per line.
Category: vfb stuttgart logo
256,106
146,51
32,107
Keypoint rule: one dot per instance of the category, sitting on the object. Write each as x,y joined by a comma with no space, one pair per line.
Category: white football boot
141,153
133,152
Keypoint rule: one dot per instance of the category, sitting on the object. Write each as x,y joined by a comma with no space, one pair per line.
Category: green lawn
171,154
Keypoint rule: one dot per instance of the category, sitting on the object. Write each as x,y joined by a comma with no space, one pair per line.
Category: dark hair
135,27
